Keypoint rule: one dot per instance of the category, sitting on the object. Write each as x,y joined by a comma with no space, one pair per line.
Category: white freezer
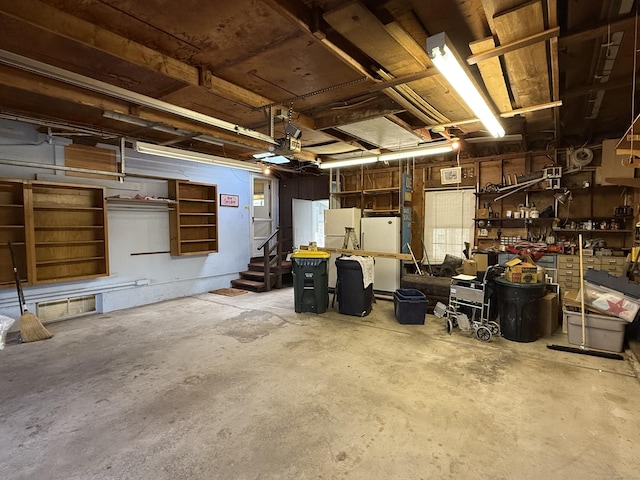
336,219
382,234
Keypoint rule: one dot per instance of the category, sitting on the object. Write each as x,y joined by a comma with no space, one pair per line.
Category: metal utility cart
469,307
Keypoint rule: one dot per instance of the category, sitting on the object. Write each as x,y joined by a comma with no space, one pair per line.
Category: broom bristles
32,329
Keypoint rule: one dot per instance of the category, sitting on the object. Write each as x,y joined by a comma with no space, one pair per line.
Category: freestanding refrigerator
382,234
335,221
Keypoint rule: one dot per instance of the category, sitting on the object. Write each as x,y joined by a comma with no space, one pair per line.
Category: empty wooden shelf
69,224
12,229
194,221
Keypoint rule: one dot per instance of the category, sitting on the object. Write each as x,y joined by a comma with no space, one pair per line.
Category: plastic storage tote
601,332
409,306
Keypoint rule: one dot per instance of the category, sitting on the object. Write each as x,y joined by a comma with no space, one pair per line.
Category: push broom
31,328
583,346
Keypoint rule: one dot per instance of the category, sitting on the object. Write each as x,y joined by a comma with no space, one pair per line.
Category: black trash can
519,307
353,298
310,281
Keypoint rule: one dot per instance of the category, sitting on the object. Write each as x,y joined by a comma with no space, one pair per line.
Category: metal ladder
350,234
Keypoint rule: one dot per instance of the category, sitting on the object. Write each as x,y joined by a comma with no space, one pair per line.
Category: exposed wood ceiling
351,76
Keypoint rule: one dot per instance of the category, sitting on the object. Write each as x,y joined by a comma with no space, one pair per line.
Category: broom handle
17,278
582,293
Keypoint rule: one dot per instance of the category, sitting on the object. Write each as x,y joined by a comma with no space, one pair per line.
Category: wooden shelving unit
12,229
375,191
194,221
69,225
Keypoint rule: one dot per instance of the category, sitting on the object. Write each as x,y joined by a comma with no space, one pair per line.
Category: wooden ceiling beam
528,67
33,83
310,22
492,74
552,21
52,20
587,89
516,45
623,23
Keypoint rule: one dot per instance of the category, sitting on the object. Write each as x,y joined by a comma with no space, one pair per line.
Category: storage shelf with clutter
551,204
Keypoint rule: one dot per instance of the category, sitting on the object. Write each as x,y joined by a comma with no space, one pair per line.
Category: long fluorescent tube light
348,163
399,155
176,153
160,128
417,152
448,62
71,78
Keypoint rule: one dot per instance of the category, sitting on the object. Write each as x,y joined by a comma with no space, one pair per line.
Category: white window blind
448,222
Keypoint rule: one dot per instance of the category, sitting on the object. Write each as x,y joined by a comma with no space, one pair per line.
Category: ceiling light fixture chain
290,113
314,93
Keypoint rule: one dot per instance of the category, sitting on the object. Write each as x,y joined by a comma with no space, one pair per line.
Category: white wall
139,275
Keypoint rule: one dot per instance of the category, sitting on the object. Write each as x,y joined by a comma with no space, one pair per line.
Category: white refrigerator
335,221
382,234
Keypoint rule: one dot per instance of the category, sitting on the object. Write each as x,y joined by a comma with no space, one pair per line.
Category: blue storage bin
410,306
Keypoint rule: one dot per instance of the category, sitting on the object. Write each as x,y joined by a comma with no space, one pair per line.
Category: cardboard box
549,315
485,260
518,277
521,272
469,267
482,261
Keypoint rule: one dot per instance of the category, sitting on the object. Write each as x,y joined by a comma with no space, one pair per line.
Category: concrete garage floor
214,387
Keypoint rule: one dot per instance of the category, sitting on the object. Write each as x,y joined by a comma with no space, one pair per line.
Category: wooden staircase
266,272
253,279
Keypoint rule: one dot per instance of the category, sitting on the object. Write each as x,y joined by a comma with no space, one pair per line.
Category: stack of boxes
519,271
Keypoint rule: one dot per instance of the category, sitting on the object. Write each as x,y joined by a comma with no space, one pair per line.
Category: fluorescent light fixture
417,152
176,153
448,62
423,151
159,127
348,163
71,78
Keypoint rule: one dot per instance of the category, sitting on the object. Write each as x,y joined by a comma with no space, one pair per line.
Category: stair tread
250,285
260,266
256,273
244,281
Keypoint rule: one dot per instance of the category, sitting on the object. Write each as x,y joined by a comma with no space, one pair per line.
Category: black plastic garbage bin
519,307
310,281
353,297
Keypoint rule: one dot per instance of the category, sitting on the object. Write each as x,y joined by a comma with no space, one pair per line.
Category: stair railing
271,260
